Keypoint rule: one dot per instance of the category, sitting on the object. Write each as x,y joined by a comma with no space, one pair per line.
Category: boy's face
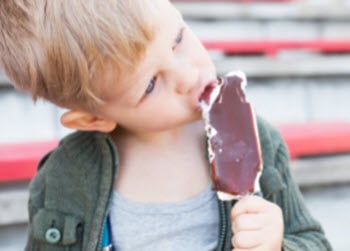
163,91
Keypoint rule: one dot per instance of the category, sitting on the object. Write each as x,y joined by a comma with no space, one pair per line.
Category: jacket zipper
100,248
101,235
223,227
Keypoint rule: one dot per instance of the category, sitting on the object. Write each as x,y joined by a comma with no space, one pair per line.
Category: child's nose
186,78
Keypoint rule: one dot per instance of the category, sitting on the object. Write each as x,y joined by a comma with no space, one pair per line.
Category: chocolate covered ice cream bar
233,142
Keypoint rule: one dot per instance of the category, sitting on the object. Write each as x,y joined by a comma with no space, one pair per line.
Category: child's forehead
159,11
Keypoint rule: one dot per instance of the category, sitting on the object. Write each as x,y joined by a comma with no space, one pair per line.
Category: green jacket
69,197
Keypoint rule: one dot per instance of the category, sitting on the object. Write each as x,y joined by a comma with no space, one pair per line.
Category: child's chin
197,116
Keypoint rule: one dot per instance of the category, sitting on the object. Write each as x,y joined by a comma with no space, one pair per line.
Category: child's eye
151,85
179,37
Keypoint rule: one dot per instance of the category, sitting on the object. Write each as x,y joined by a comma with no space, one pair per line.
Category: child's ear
85,121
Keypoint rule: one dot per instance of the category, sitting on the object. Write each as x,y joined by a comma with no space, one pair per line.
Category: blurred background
296,55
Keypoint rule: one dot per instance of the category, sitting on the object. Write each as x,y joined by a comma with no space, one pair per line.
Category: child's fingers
245,222
248,204
240,249
247,240
257,225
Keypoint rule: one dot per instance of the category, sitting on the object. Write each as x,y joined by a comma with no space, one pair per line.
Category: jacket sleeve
50,228
36,201
302,231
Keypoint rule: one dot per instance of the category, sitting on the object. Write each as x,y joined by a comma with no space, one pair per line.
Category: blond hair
54,49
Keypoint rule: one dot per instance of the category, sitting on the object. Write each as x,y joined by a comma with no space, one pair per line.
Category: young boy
135,174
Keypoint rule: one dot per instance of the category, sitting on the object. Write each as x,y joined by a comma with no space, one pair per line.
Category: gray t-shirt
188,225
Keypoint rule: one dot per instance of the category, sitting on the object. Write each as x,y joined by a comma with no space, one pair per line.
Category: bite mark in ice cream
233,143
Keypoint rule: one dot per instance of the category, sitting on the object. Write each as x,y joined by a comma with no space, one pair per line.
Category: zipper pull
106,237
107,248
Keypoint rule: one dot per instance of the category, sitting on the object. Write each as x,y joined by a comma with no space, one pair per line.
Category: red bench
272,47
316,138
19,161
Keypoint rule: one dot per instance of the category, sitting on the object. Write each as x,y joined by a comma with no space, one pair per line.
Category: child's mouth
205,97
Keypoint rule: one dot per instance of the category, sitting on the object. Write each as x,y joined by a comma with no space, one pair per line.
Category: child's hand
257,225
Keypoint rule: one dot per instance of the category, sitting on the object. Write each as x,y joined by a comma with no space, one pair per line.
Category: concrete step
13,237
321,171
22,120
286,64
289,100
270,30
297,10
13,207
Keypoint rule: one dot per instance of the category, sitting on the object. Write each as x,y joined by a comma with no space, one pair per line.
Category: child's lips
208,88
205,97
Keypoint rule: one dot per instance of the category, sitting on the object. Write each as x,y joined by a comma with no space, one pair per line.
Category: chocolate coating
235,146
